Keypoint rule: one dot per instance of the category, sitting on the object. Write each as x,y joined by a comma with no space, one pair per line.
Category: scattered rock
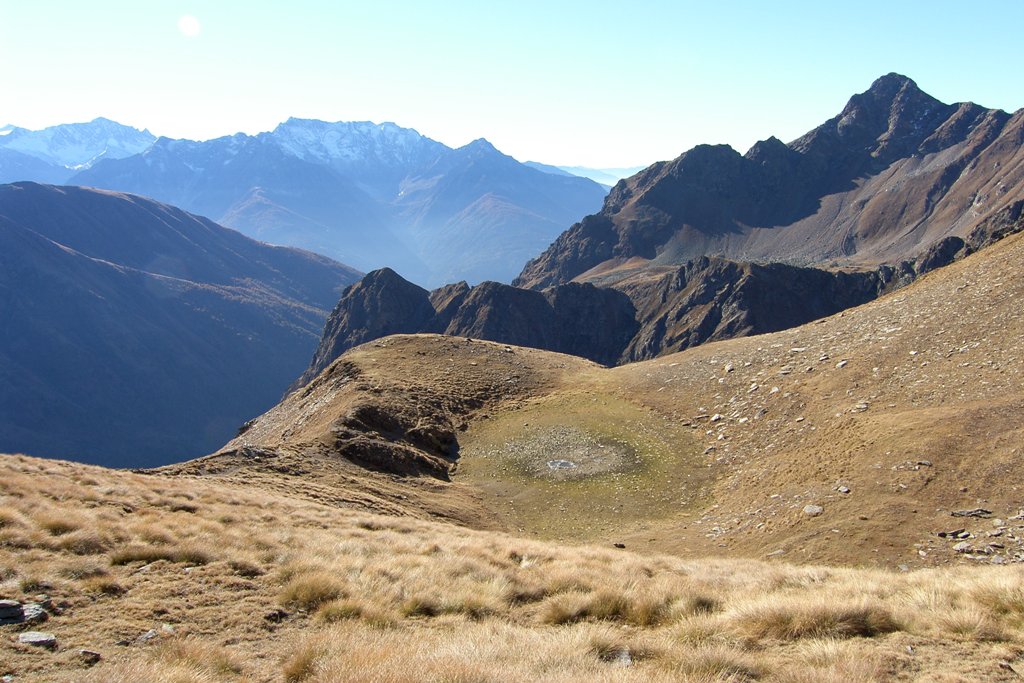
728,367
38,639
813,510
33,613
89,657
10,611
842,363
976,512
962,547
717,417
13,612
619,545
275,616
843,489
149,635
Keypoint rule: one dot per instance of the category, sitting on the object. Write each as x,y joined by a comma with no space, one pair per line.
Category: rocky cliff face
577,319
895,172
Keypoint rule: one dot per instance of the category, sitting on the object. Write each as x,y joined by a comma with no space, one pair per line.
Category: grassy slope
208,564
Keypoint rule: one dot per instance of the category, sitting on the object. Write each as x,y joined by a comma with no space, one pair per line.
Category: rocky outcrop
577,319
710,299
380,304
893,174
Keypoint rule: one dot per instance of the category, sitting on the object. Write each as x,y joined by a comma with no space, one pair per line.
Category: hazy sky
593,83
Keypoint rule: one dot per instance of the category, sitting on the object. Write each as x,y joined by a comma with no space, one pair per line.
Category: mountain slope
475,213
136,334
893,173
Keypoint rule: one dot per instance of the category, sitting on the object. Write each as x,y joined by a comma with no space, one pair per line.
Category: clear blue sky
593,83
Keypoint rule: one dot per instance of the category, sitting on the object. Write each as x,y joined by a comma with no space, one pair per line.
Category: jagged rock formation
136,334
895,172
577,319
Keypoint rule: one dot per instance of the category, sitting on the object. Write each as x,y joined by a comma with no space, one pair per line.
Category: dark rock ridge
646,314
894,173
577,319
135,334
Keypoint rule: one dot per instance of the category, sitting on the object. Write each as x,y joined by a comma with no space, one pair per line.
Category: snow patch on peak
344,143
78,145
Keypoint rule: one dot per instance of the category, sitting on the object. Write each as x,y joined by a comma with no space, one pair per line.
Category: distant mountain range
607,177
369,195
136,334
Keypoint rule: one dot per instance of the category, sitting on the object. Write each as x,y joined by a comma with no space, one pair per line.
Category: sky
596,83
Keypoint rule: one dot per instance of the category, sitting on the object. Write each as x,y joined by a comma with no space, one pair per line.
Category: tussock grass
310,590
817,617
366,597
84,542
102,585
58,524
186,554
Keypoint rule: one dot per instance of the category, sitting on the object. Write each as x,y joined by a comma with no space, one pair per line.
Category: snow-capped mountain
343,144
76,146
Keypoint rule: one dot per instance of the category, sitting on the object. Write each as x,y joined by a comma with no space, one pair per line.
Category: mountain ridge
824,199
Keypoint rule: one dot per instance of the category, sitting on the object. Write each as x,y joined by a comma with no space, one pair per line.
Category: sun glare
189,26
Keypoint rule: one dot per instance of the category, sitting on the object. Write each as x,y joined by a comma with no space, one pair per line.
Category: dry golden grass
377,598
